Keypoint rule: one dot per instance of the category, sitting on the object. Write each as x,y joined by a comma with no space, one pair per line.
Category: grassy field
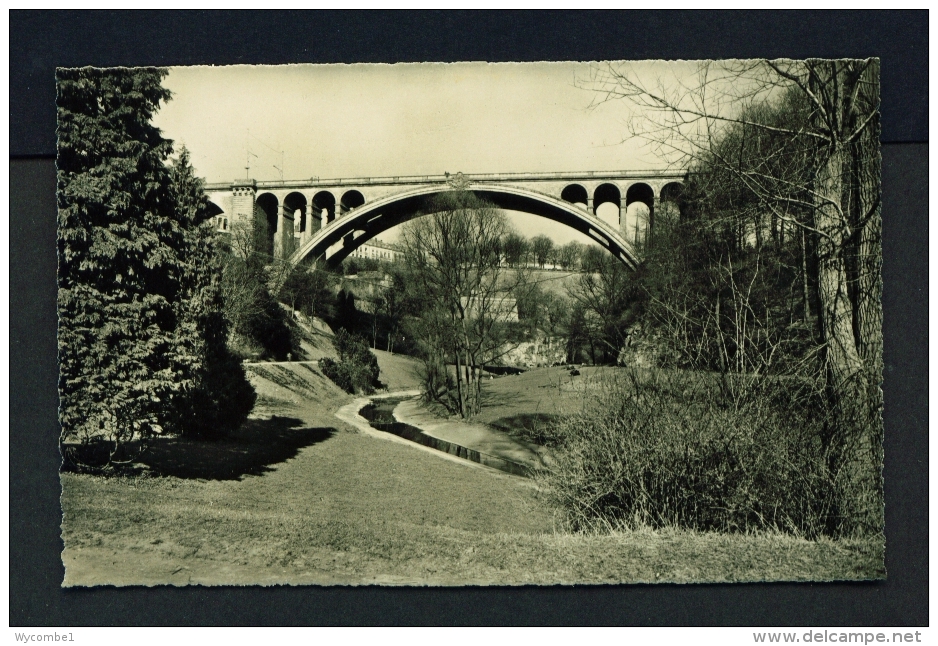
523,404
299,497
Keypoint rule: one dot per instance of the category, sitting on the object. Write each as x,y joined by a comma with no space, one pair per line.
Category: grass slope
398,371
298,497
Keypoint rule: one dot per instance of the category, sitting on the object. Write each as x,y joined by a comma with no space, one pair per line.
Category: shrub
221,397
338,373
705,452
357,368
266,328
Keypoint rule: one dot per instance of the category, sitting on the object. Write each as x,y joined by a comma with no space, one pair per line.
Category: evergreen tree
216,395
119,272
137,337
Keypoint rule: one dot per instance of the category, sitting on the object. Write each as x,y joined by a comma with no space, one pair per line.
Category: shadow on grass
251,450
531,427
492,398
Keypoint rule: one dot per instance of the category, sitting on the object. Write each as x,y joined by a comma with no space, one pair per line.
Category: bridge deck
474,177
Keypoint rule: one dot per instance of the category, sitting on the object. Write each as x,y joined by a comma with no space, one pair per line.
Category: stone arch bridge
328,219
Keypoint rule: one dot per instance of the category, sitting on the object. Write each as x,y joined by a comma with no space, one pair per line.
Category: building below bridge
378,250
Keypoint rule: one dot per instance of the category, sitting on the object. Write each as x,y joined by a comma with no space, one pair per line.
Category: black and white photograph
471,324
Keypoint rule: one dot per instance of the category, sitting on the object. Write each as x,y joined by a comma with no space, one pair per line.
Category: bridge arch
640,192
670,198
672,192
608,194
351,200
336,241
295,205
575,194
218,215
324,204
269,207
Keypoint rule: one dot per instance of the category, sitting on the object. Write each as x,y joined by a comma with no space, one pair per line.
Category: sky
330,121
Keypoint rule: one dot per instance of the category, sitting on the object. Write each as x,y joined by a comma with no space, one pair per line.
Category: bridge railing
433,179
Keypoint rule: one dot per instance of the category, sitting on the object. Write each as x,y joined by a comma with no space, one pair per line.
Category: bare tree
454,254
604,294
828,170
569,255
514,249
542,247
794,148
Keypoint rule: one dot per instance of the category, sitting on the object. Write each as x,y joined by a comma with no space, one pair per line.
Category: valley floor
300,497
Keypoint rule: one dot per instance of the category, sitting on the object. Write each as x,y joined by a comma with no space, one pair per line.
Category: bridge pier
243,194
283,239
652,209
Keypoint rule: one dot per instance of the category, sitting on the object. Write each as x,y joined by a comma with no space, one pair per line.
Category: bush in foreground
709,453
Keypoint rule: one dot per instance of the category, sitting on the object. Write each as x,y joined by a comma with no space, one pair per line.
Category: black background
43,40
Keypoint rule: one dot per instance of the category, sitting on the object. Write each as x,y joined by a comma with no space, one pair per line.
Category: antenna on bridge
280,167
249,154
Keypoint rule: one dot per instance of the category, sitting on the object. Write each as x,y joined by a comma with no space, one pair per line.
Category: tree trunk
868,256
806,294
459,389
843,359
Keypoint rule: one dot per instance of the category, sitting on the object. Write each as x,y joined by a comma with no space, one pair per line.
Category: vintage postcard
471,323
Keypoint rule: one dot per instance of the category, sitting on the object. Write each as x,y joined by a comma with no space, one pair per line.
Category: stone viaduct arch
338,241
330,218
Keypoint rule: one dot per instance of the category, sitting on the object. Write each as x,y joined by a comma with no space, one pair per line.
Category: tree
592,258
249,277
140,342
357,370
308,291
542,247
829,170
786,154
569,255
514,249
216,396
392,304
454,255
118,271
608,300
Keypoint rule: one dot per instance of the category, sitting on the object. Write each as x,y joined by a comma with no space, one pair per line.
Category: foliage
514,248
119,272
392,304
217,397
793,147
138,341
542,248
268,327
356,371
309,291
710,453
454,256
260,325
609,300
772,264
568,255
353,265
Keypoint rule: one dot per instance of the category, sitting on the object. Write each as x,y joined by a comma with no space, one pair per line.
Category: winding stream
380,415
